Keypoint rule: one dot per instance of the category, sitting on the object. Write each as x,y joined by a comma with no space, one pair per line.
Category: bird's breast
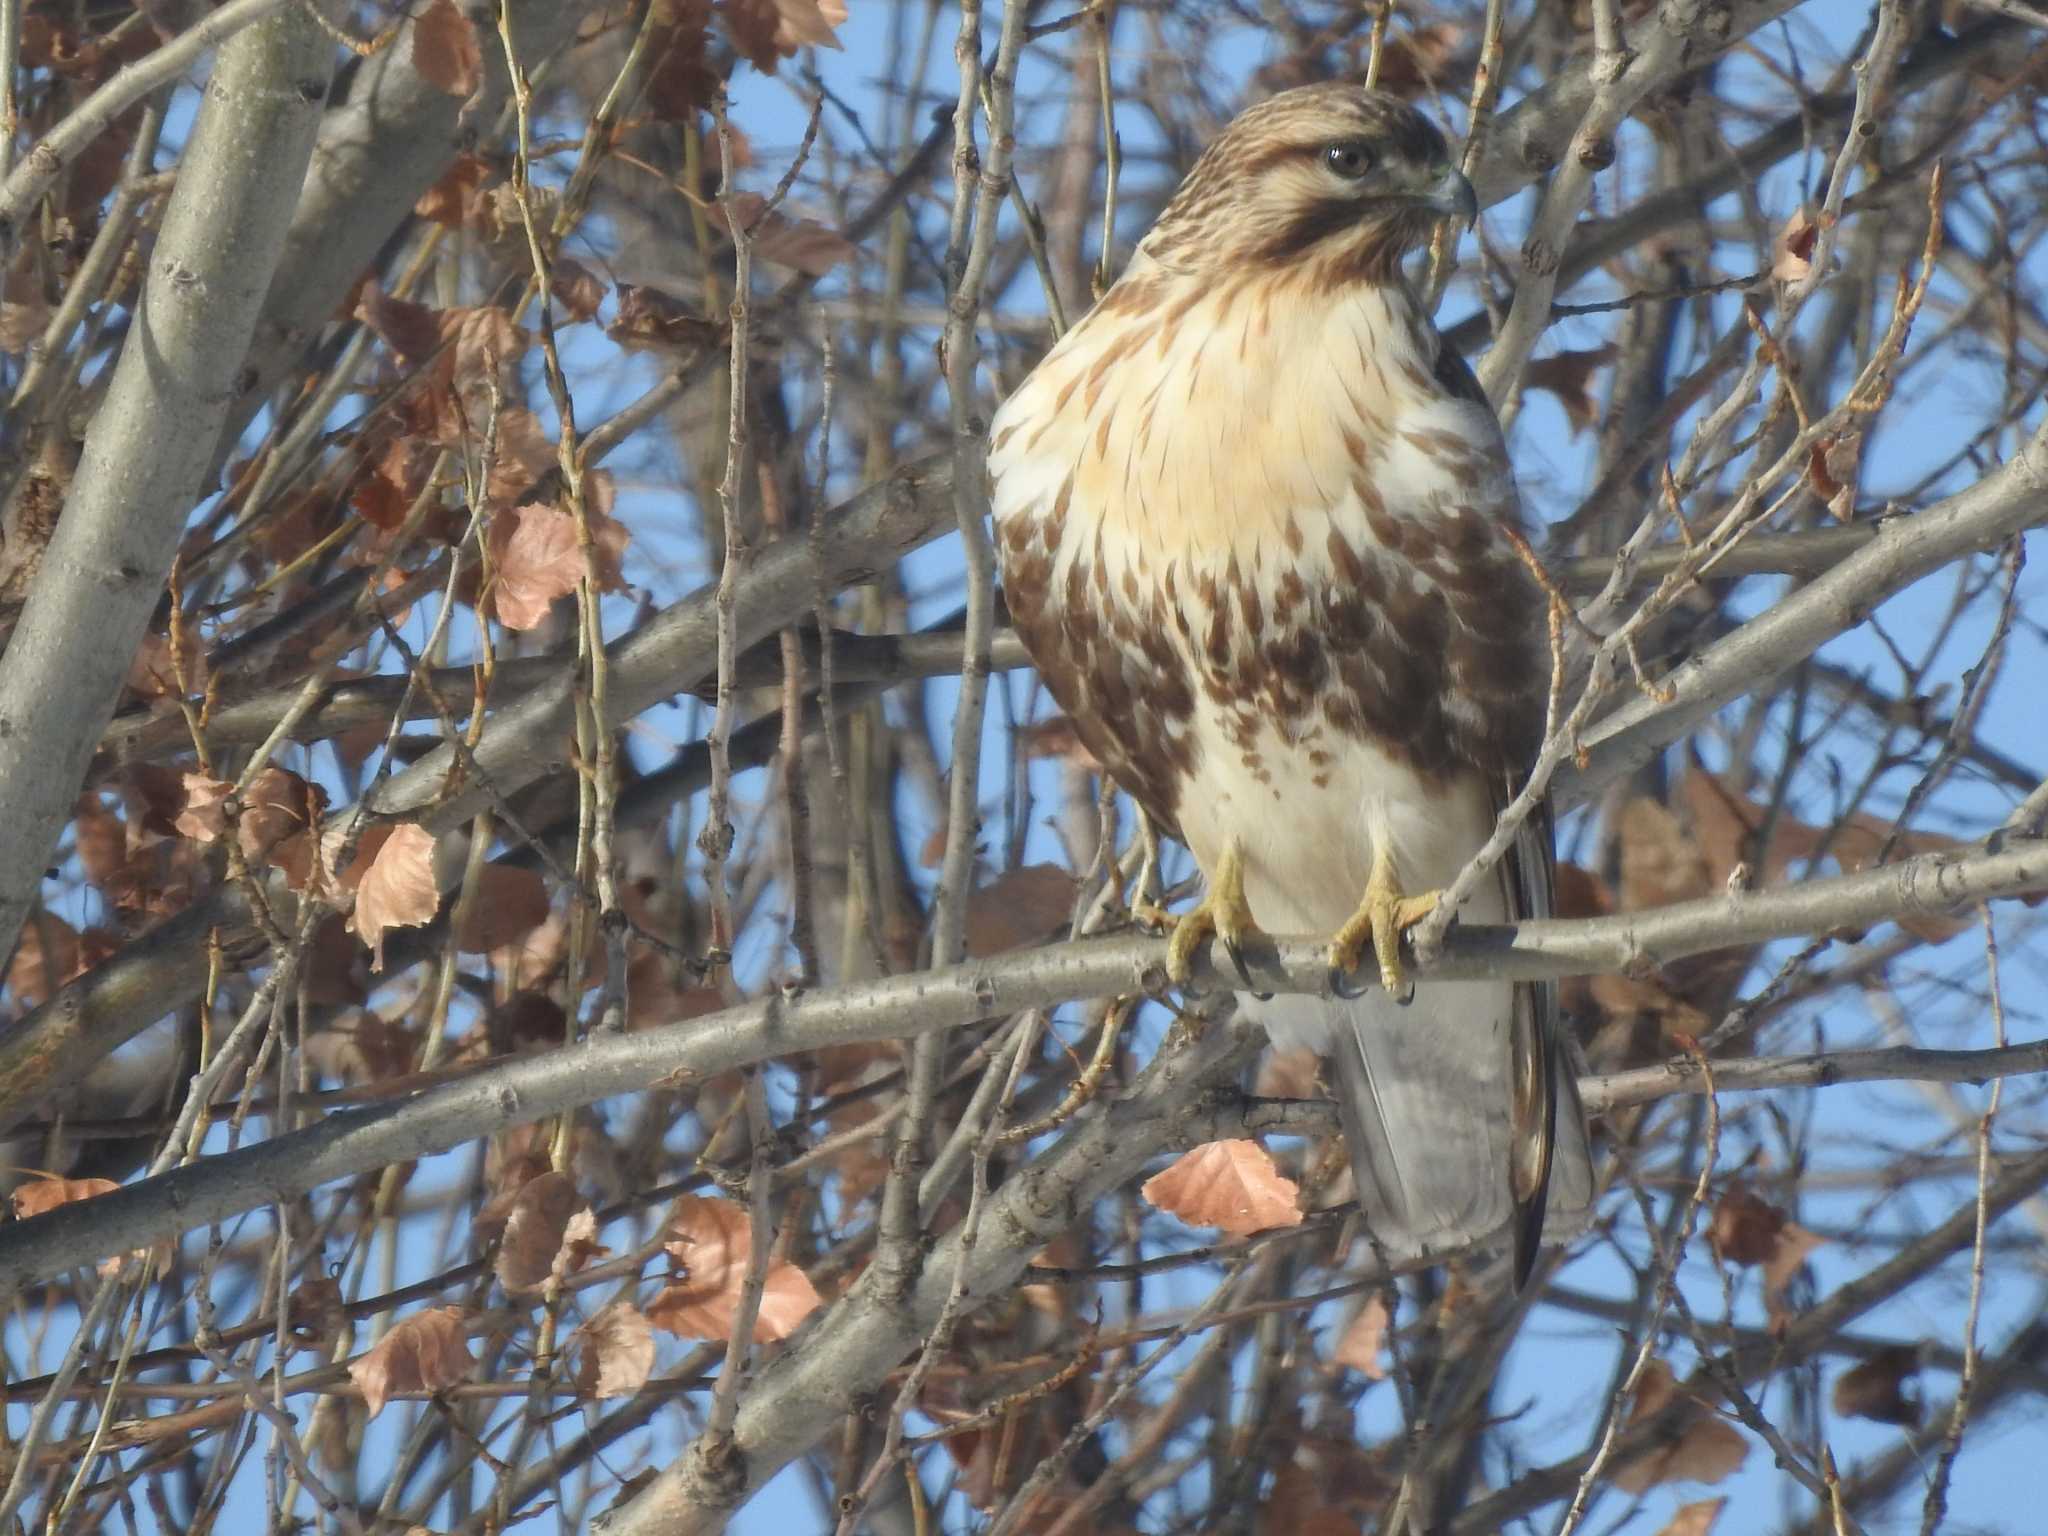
1247,534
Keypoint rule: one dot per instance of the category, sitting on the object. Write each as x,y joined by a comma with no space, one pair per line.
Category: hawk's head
1334,178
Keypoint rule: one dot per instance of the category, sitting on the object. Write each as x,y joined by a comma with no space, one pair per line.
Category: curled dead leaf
1569,376
1750,1231
1364,1339
615,1352
804,244
1792,252
424,1353
1231,1185
394,885
202,818
535,560
1884,1389
51,952
550,1233
1695,1519
40,1195
509,904
1020,906
446,50
713,1241
1746,1227
1706,1450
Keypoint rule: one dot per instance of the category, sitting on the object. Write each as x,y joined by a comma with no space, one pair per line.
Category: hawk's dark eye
1349,158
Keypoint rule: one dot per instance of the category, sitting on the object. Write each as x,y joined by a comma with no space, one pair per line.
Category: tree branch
906,1007
152,439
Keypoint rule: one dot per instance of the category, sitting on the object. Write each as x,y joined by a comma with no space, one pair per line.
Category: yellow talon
1383,915
1223,912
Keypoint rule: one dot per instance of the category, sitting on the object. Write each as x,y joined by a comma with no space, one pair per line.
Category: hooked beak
1452,194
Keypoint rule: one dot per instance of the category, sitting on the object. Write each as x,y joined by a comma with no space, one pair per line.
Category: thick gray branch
2007,501
151,442
904,1007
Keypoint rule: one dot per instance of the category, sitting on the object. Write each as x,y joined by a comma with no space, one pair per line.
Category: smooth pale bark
523,1089
151,443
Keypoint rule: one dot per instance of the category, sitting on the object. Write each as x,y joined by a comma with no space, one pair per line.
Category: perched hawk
1249,512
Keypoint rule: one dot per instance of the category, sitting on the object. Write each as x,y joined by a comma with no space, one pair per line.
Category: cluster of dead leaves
682,74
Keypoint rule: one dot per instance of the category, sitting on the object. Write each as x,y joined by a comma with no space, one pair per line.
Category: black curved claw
1244,973
1341,987
1406,995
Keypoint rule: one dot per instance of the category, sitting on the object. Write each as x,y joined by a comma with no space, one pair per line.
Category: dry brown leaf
1885,1388
362,1047
1795,1246
1749,1230
100,837
1707,1450
804,244
278,805
1746,1227
1364,1339
549,1233
396,888
40,1195
1792,253
202,818
51,952
453,200
1232,1185
446,50
424,1353
576,288
1833,464
163,671
1569,376
809,23
713,1240
412,331
615,1352
509,903
535,560
1020,906
1696,1519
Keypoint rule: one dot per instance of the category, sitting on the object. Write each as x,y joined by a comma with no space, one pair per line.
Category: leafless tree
562,963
